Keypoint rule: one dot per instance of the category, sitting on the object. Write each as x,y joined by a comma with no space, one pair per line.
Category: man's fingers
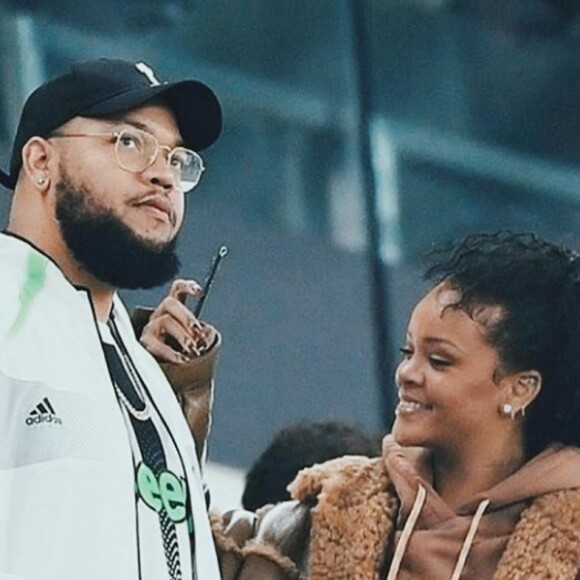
173,307
208,333
174,338
181,289
189,340
173,333
163,352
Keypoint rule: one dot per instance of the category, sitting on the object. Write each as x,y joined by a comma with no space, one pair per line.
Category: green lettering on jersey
148,488
173,495
167,492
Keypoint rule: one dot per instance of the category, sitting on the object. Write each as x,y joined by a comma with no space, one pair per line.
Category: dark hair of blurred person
297,446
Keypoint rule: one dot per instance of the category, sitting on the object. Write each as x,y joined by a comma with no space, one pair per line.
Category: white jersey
79,495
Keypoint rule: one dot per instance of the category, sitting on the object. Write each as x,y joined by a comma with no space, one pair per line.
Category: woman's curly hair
537,285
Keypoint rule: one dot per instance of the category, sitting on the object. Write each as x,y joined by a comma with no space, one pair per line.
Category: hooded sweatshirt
377,519
439,533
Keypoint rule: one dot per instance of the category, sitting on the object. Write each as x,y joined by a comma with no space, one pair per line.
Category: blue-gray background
474,124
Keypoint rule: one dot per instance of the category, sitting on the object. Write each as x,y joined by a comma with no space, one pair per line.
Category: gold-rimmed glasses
136,150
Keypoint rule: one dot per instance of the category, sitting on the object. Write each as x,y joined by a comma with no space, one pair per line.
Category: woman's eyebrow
433,339
442,341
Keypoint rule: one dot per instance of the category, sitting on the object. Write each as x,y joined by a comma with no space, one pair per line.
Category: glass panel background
474,126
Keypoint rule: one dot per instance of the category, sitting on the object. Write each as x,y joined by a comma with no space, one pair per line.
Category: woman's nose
408,371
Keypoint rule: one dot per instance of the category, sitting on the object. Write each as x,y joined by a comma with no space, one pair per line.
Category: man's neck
101,293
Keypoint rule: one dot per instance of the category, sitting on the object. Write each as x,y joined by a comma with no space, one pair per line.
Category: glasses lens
135,149
188,165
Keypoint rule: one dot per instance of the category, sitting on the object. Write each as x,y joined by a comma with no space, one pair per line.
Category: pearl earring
40,180
509,411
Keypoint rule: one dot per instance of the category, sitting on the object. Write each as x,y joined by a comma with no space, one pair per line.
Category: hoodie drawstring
407,531
410,526
469,539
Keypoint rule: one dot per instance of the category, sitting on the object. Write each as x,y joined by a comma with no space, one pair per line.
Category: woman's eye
405,351
440,362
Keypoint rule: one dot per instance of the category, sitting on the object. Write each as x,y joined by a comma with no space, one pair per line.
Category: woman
480,477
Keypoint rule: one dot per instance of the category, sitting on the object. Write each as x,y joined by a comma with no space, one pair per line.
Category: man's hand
173,334
187,350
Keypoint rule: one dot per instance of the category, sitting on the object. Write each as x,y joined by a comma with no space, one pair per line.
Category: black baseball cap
103,87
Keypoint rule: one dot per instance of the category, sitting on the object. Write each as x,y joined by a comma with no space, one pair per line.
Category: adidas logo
43,413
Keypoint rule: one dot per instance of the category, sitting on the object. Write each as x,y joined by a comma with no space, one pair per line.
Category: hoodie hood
555,469
433,540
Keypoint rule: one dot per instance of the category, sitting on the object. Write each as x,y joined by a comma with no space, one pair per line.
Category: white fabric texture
67,484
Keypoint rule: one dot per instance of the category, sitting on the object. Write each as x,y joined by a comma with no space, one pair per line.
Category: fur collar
353,523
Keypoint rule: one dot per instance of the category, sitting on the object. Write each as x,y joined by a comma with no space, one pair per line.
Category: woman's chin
406,436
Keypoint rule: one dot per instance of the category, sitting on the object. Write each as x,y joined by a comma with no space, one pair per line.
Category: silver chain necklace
139,414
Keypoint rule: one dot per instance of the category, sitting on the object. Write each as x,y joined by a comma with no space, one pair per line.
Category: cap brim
196,108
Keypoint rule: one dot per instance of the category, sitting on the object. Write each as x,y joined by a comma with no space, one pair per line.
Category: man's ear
36,155
522,389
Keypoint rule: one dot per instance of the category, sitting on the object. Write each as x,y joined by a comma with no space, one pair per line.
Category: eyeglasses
136,150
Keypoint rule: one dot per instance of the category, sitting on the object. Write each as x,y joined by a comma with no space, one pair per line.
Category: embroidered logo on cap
148,72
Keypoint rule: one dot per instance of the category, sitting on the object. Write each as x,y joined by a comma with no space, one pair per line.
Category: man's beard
107,248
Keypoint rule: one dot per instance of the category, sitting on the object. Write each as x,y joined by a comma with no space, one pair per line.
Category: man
99,477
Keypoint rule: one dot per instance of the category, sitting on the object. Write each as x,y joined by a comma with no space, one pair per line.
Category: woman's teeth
407,407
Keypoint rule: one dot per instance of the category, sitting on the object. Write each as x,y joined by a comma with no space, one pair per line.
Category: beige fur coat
353,523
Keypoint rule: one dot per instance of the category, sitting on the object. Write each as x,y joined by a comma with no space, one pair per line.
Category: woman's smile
409,406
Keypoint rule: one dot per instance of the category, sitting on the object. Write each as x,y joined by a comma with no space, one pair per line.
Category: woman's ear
522,389
35,162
